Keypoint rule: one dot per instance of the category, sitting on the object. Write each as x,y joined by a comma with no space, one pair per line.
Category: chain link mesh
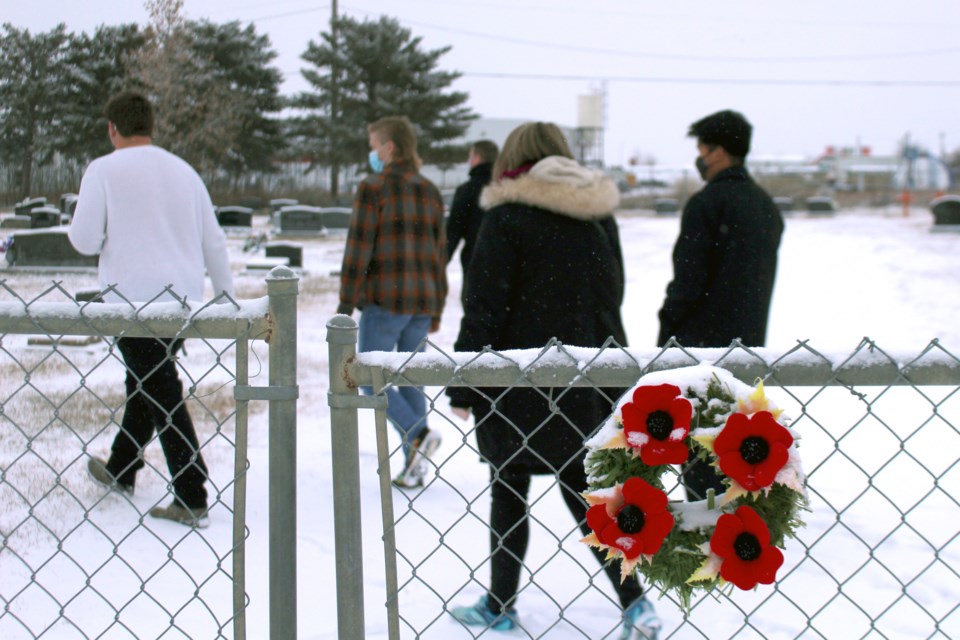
879,556
78,560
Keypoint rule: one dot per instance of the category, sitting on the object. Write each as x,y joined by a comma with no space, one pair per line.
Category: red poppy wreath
735,537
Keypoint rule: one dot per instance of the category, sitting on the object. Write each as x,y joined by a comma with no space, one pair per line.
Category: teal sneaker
640,617
480,615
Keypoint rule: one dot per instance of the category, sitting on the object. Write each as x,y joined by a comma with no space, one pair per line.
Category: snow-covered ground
862,273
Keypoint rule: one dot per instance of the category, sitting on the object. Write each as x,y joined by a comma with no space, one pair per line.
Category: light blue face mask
375,162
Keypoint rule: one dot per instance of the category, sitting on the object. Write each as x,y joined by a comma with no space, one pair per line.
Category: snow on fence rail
879,556
79,562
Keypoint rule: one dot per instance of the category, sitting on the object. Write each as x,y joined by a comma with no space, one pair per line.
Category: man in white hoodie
149,216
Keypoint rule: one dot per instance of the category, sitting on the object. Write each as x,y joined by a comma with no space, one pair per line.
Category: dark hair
130,113
727,129
486,149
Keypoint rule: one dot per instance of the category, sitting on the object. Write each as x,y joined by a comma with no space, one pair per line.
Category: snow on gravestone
46,248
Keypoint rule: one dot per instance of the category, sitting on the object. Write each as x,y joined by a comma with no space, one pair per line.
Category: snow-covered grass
882,467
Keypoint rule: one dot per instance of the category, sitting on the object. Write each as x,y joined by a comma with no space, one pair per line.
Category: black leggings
510,532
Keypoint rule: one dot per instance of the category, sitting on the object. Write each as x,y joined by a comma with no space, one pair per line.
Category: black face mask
702,167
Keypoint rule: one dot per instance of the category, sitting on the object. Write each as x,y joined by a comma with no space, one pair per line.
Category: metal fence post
282,291
344,425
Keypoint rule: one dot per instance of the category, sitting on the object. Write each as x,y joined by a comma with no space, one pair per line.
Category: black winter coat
547,264
466,214
724,264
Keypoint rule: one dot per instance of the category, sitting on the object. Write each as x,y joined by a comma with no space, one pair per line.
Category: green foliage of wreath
682,553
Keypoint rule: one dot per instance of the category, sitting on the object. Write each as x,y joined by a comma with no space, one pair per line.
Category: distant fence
77,561
879,556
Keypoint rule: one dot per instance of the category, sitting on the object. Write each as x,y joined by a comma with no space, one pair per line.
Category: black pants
155,404
510,532
698,476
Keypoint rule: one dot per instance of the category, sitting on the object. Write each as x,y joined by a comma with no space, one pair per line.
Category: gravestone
299,220
234,216
666,206
15,222
946,213
784,203
821,206
46,248
68,203
292,251
337,217
43,217
279,203
23,208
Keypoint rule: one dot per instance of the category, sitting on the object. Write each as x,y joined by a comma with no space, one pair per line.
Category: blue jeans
382,330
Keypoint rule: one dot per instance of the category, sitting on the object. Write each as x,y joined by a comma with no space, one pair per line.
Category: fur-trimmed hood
559,185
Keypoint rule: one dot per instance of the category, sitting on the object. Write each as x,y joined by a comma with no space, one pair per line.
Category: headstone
46,248
821,205
666,206
234,216
15,222
292,251
337,217
68,203
299,220
43,217
784,203
279,203
88,295
946,213
23,208
252,202
266,264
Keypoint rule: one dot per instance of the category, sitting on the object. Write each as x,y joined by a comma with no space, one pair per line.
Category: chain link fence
79,561
879,556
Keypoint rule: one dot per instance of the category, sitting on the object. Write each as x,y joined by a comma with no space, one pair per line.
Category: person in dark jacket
465,212
725,258
547,264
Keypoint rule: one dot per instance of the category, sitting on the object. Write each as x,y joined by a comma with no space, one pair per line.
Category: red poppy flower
742,540
636,525
657,423
752,449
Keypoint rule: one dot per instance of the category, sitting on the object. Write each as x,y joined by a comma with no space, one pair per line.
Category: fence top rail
556,365
224,319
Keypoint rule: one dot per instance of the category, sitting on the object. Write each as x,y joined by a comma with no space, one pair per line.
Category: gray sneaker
97,468
197,518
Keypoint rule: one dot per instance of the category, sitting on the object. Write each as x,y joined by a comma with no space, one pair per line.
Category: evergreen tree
32,93
241,59
97,69
369,70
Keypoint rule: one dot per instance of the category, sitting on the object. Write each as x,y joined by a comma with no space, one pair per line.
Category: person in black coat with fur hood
547,264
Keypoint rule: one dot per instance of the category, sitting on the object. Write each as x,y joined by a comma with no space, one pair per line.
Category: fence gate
77,561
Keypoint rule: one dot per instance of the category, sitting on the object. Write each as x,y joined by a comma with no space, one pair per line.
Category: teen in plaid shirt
394,271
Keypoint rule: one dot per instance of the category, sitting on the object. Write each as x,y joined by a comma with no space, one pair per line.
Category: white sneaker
418,462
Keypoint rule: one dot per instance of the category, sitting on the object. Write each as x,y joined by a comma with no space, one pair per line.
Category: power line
742,81
680,57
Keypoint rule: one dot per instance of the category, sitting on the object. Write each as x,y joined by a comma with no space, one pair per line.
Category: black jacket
547,264
466,214
724,265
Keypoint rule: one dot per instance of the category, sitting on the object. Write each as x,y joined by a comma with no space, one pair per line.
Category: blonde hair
399,131
530,143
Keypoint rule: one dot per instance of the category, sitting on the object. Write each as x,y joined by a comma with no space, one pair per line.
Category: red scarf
519,171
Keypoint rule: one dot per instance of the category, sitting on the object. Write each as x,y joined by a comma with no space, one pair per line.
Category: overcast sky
807,74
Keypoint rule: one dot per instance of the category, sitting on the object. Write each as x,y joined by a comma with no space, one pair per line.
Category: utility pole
334,98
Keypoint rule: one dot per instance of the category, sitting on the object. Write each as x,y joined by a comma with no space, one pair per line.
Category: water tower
588,146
